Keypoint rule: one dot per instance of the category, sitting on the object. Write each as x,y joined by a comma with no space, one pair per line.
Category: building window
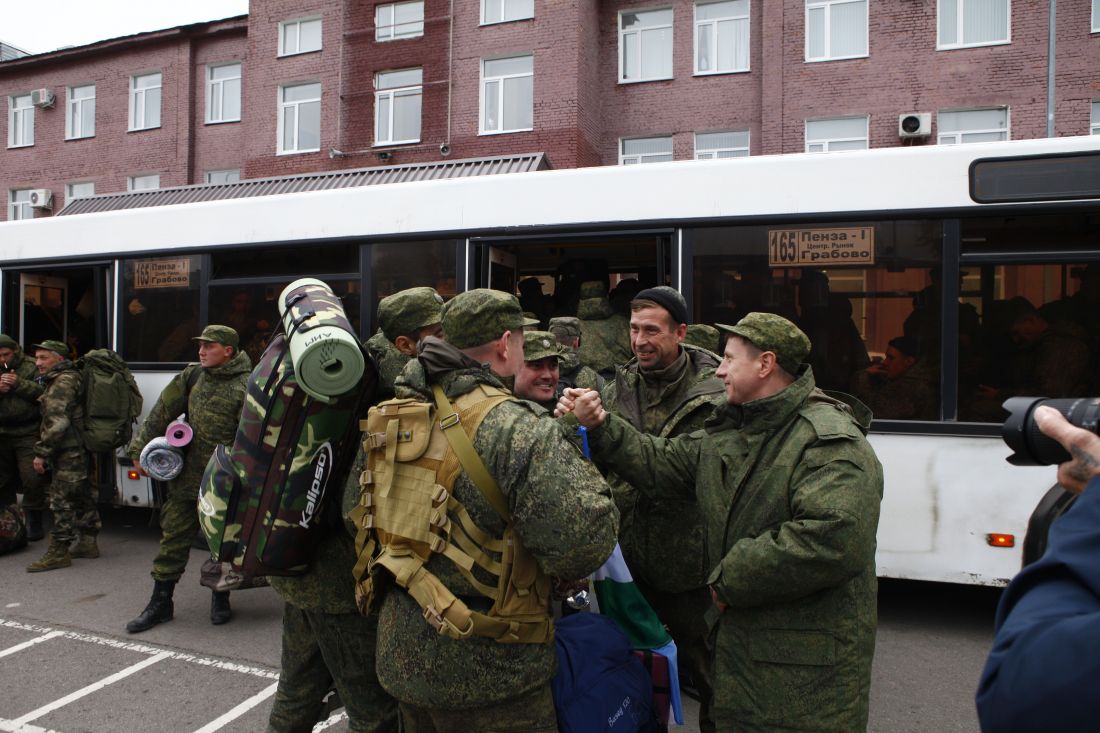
499,11
972,126
300,118
20,121
1096,16
227,176
836,135
1094,122
645,150
398,20
299,36
80,120
19,204
964,23
143,183
223,93
507,94
722,37
81,190
397,106
645,45
836,29
145,101
729,144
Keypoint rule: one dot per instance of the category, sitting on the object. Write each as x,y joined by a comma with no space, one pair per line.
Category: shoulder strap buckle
449,421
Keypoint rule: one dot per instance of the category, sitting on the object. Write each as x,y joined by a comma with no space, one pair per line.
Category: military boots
158,610
57,556
220,612
34,525
85,547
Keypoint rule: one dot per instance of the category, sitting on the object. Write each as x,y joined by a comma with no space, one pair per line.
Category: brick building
303,86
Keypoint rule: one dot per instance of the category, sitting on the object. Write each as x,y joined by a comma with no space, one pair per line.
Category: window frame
827,6
212,83
69,190
500,109
14,205
713,22
391,93
714,151
131,180
828,141
1007,128
14,127
297,115
393,36
282,52
1095,24
74,108
504,14
207,175
959,28
641,156
622,46
1094,117
135,91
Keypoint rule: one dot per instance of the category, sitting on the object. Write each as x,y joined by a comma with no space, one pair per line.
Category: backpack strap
467,455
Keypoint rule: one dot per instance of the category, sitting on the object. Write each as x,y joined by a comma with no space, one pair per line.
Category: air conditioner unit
41,198
42,98
915,124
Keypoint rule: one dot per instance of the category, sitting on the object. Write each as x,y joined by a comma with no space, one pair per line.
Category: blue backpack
600,686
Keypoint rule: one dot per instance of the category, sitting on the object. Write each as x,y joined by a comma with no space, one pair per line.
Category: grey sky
37,27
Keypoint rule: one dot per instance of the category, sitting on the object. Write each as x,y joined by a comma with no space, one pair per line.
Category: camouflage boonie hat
769,332
565,326
539,345
406,312
223,335
702,335
593,289
479,316
58,347
7,342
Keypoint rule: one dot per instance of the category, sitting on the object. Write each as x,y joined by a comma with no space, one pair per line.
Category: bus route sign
162,273
833,246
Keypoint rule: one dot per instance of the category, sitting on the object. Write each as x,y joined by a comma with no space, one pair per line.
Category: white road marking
330,721
8,725
31,642
231,715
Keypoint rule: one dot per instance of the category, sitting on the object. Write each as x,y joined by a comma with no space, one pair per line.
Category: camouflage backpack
13,529
112,401
262,501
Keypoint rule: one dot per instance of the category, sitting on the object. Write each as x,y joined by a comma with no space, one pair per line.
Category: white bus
947,247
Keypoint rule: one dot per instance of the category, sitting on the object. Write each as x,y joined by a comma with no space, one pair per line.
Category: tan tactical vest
407,512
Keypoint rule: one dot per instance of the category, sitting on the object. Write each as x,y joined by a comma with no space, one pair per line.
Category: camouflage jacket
662,538
561,509
19,411
605,335
790,490
574,374
912,396
213,408
390,362
61,407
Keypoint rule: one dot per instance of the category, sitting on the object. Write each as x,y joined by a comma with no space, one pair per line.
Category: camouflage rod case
262,501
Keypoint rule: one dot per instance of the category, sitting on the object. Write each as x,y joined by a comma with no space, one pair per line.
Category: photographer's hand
1083,445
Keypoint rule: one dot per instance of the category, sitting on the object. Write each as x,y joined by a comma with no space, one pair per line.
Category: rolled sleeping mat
179,433
160,460
327,359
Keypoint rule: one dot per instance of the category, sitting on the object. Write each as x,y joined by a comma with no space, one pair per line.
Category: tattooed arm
1083,446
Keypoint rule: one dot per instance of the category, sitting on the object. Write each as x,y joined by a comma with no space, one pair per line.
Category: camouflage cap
565,326
769,332
406,312
223,335
58,347
539,345
593,289
7,342
479,316
702,335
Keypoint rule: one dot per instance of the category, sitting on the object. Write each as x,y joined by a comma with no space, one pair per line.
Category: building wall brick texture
581,110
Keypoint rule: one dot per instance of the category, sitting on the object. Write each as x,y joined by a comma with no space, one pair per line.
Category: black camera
1032,448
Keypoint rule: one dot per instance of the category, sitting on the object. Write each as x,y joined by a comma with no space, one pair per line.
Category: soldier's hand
1082,445
588,409
39,465
565,402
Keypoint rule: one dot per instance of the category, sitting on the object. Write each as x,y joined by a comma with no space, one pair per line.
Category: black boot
158,610
34,525
220,612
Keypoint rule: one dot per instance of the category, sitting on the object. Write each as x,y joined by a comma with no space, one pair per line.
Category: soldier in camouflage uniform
667,389
537,379
605,334
571,373
561,510
404,318
19,423
790,491
703,336
61,450
212,394
902,387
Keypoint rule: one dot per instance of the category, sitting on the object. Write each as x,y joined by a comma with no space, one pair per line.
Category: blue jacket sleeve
1042,672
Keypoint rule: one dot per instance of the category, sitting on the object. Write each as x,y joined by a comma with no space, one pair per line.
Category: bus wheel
1054,504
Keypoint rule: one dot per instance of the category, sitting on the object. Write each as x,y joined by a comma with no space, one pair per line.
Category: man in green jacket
790,490
404,318
19,421
211,393
562,513
537,379
605,339
571,373
667,389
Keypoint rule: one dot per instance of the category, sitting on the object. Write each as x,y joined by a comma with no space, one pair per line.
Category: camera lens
1021,433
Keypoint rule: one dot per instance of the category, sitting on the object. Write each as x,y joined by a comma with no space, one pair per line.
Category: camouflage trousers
179,524
531,712
71,503
17,472
319,650
683,614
